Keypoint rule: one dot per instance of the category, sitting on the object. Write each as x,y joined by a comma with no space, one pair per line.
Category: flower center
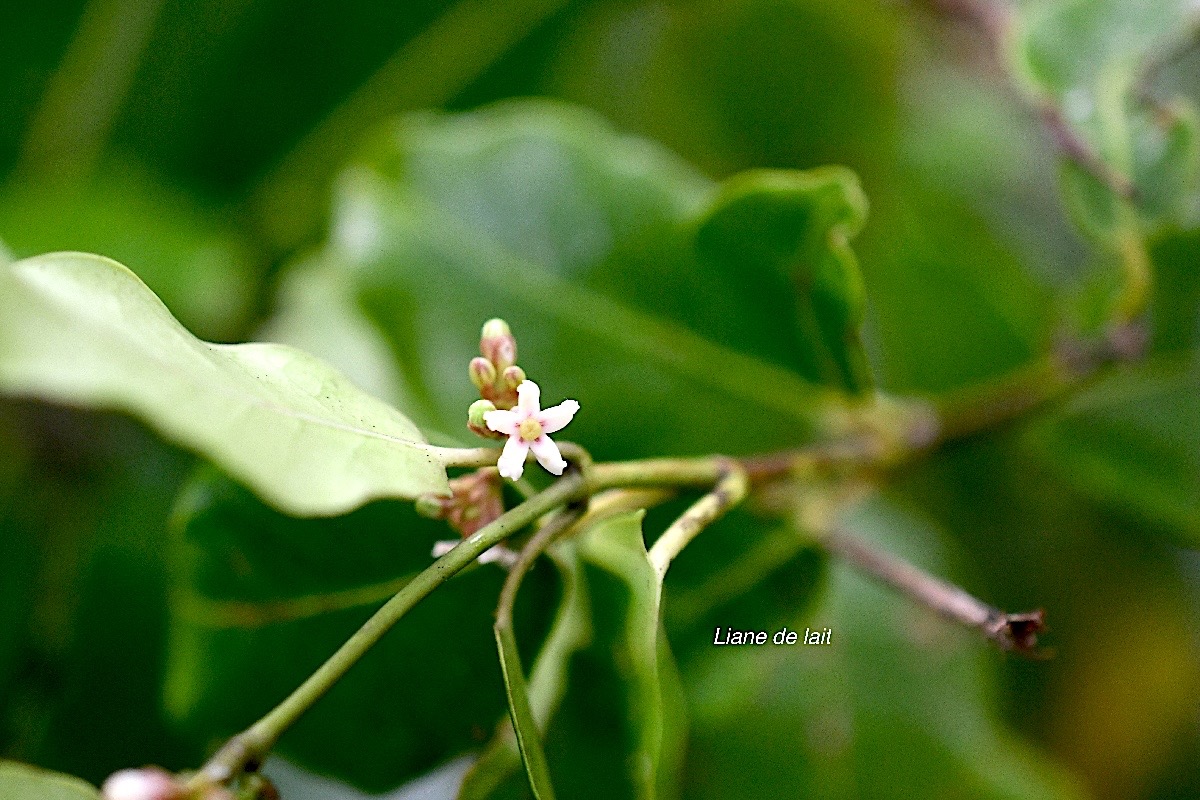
530,429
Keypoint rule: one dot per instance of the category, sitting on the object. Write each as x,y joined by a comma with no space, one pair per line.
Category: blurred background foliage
198,143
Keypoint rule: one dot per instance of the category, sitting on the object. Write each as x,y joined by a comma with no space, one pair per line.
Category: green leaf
569,632
640,287
1132,441
21,782
184,251
952,303
797,227
84,330
262,599
897,705
618,730
1087,57
525,726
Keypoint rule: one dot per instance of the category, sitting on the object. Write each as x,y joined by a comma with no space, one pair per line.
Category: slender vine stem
730,490
247,749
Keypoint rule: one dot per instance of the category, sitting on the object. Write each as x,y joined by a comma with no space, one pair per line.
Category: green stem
702,472
246,750
730,490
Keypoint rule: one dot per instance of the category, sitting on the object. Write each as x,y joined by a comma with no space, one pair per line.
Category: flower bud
482,372
513,376
497,344
148,783
477,410
476,422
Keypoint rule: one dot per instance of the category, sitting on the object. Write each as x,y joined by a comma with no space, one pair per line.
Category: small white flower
526,427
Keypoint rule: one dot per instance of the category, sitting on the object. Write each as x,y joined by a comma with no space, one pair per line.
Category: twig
1073,364
1011,632
730,490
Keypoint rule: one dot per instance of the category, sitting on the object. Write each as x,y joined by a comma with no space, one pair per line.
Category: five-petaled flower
526,427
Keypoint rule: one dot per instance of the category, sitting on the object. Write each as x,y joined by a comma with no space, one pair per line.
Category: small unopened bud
495,328
497,344
148,783
482,372
431,506
513,376
477,410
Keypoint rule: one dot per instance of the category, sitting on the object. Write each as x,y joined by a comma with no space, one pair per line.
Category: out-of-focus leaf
627,276
1175,309
197,264
1086,57
264,599
84,330
21,782
619,730
1134,440
898,704
952,303
722,83
82,540
797,226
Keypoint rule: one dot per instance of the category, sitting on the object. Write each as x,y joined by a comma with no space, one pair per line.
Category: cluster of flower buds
495,374
475,500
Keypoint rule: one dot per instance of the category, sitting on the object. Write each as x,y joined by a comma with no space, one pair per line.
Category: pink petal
548,455
505,422
554,419
529,398
512,460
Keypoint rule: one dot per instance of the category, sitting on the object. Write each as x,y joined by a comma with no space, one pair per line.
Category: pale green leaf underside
21,782
84,330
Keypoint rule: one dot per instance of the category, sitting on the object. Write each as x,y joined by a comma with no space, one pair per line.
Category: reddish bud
497,344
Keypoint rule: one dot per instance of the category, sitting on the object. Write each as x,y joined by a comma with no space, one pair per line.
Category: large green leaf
1133,440
897,705
84,330
1087,57
262,599
21,782
633,284
617,730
